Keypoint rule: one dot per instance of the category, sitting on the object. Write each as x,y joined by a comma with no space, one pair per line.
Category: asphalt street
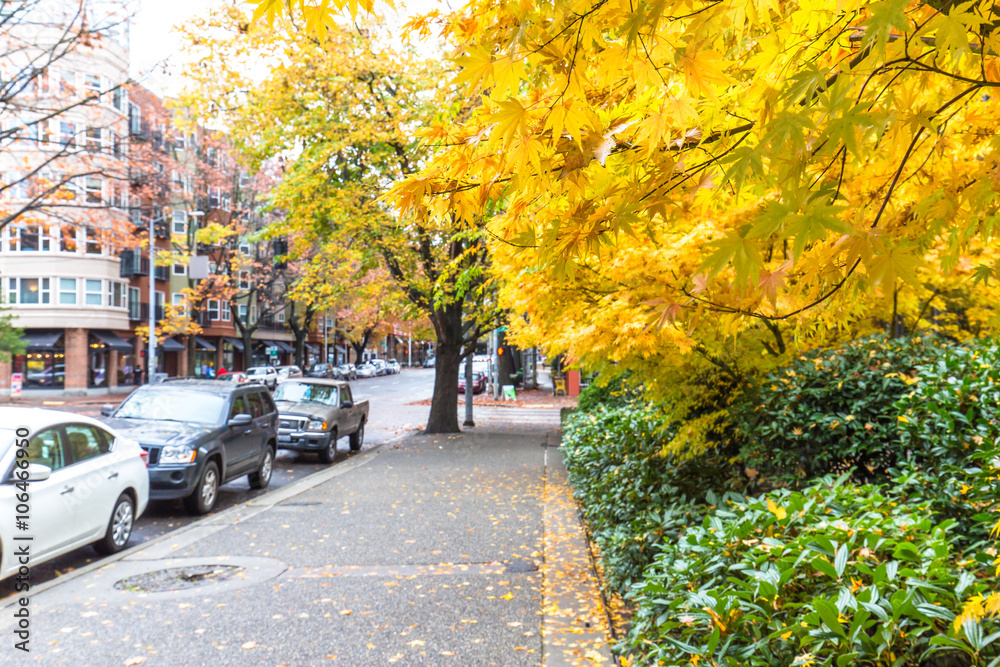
389,417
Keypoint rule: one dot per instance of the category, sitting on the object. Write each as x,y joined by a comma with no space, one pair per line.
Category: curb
226,517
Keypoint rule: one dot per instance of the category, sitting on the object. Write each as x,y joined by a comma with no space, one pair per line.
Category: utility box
573,383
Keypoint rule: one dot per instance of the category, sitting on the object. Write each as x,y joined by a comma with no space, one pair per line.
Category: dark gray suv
200,434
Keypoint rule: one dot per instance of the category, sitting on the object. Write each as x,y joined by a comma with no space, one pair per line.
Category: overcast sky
153,41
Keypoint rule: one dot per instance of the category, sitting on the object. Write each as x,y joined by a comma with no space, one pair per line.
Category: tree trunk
444,405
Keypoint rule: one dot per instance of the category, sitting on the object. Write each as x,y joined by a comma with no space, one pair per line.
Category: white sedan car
67,481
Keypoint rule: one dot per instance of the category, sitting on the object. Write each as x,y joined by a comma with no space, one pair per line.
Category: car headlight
316,426
177,454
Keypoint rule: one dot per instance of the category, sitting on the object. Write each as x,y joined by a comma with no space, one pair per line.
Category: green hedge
831,411
839,573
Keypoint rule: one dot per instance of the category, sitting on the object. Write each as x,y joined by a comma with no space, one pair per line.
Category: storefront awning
203,345
235,342
314,350
282,346
43,339
171,345
113,341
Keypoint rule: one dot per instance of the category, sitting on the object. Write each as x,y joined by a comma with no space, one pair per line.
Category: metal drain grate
179,578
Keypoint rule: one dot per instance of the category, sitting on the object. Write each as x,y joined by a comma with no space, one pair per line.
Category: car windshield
257,371
302,392
191,407
319,367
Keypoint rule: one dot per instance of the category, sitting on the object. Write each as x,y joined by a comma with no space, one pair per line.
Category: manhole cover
179,578
520,565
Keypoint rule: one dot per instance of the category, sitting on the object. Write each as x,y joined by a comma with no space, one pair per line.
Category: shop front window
44,368
126,369
97,363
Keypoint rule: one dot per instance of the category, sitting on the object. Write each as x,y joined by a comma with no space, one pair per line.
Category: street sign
501,328
16,380
272,351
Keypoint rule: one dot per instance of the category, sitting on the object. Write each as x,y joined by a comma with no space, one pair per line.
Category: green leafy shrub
837,574
830,411
953,411
627,490
610,392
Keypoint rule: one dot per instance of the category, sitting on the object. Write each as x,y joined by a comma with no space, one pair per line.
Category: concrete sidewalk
438,550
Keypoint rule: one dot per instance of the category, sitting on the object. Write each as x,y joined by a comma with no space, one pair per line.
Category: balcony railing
140,312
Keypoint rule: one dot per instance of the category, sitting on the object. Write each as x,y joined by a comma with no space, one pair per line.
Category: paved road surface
389,417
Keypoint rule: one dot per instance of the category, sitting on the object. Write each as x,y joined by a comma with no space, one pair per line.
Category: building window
213,309
213,197
245,248
243,312
67,133
116,294
226,313
28,290
280,317
180,222
28,238
92,82
134,119
180,270
67,82
94,187
67,239
178,300
133,303
93,241
93,293
161,298
67,291
227,203
244,280
176,180
93,138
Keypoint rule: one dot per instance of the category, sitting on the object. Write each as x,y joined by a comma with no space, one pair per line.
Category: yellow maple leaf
775,510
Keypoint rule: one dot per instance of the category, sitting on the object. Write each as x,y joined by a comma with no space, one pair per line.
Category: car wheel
358,437
206,491
261,478
330,453
119,527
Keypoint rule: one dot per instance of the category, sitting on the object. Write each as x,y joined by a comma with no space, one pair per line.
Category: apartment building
81,190
59,267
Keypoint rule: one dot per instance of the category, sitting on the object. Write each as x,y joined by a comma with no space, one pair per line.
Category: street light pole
151,348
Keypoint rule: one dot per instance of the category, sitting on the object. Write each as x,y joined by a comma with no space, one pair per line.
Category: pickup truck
313,413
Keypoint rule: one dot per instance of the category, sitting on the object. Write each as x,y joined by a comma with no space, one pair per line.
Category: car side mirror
347,404
107,410
38,472
240,420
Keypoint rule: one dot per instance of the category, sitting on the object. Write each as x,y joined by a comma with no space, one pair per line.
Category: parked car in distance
348,371
200,434
478,382
238,377
381,367
315,413
367,370
265,375
393,366
285,372
87,484
321,370
430,361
